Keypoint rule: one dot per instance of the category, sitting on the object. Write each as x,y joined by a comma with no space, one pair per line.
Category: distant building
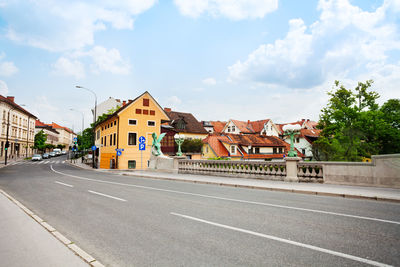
52,134
66,135
261,127
186,124
21,131
105,106
214,126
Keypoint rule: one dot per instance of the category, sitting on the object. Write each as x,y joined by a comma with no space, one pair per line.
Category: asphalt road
126,221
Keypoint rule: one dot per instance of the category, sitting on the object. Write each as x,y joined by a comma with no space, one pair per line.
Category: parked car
64,152
57,151
52,154
36,157
46,156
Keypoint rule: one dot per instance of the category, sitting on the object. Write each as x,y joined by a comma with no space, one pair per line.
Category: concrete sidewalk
364,192
26,240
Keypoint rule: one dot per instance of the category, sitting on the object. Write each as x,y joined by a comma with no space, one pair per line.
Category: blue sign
142,146
94,148
142,140
119,153
75,139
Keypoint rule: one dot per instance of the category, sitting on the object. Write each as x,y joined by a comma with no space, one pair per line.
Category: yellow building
122,130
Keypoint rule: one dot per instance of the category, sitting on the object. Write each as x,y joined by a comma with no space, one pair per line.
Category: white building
21,129
105,106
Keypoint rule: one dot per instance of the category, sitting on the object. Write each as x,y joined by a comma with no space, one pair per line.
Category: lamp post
8,130
179,139
94,115
83,118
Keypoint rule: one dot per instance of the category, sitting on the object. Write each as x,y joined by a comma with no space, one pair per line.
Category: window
98,135
233,149
229,129
146,102
152,112
274,150
111,139
132,139
115,123
115,137
145,111
280,150
151,123
303,151
132,122
297,140
138,111
233,128
257,150
131,164
105,140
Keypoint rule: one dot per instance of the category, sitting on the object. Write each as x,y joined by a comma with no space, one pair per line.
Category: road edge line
86,257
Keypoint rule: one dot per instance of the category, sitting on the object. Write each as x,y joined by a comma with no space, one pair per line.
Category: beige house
21,129
66,135
52,134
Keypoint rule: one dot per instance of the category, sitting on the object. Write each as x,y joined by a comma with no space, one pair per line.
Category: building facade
52,134
66,135
20,125
121,131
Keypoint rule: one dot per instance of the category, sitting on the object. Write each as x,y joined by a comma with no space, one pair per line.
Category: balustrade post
291,169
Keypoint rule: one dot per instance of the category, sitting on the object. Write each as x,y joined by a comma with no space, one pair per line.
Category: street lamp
8,129
83,118
94,117
179,138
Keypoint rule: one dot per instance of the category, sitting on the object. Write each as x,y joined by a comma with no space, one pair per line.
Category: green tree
192,146
40,141
353,126
85,140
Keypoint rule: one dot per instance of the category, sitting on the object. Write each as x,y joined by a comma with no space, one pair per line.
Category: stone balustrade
310,172
241,169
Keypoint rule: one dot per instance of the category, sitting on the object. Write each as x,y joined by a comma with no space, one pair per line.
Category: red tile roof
191,124
218,126
258,125
218,148
256,140
244,127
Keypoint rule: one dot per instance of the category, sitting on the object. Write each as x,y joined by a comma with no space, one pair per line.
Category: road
126,221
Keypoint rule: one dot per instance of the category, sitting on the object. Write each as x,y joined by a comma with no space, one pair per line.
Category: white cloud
342,43
67,67
3,88
209,81
7,68
232,9
61,25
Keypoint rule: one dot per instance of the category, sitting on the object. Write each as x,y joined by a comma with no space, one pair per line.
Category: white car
37,157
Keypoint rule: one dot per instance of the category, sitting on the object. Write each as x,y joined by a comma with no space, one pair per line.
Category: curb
297,191
68,243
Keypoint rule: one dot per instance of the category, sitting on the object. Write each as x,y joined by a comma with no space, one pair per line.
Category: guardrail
310,172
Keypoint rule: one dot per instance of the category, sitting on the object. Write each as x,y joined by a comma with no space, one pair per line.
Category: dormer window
229,129
180,125
233,149
233,128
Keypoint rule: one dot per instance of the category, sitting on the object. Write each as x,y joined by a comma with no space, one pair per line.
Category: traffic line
57,182
232,199
275,238
104,195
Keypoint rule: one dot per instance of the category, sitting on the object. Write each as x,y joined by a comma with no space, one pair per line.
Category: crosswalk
37,162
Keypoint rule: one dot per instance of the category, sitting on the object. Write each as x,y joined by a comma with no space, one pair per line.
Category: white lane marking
47,162
231,199
332,252
57,182
104,195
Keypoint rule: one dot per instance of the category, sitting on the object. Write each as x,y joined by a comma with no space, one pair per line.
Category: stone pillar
291,169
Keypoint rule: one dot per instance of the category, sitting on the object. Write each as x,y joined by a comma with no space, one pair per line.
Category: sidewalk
26,240
364,192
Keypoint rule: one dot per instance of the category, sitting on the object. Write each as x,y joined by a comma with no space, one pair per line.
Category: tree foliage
354,126
192,146
40,141
85,140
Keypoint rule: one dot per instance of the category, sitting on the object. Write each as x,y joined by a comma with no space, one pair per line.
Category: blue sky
218,59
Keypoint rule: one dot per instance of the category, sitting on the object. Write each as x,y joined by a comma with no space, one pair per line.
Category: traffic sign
119,153
75,139
142,140
94,148
142,146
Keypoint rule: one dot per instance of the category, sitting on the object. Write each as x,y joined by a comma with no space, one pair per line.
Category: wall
384,171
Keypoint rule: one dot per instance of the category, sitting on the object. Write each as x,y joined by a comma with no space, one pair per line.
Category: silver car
36,157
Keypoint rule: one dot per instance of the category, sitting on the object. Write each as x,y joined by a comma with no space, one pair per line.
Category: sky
217,59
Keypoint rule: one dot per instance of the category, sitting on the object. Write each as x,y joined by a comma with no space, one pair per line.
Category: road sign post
142,146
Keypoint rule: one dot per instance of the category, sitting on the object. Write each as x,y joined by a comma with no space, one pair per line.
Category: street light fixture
8,130
83,118
94,117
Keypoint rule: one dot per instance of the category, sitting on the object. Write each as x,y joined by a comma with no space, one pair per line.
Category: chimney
123,103
118,100
302,119
167,109
248,121
11,98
